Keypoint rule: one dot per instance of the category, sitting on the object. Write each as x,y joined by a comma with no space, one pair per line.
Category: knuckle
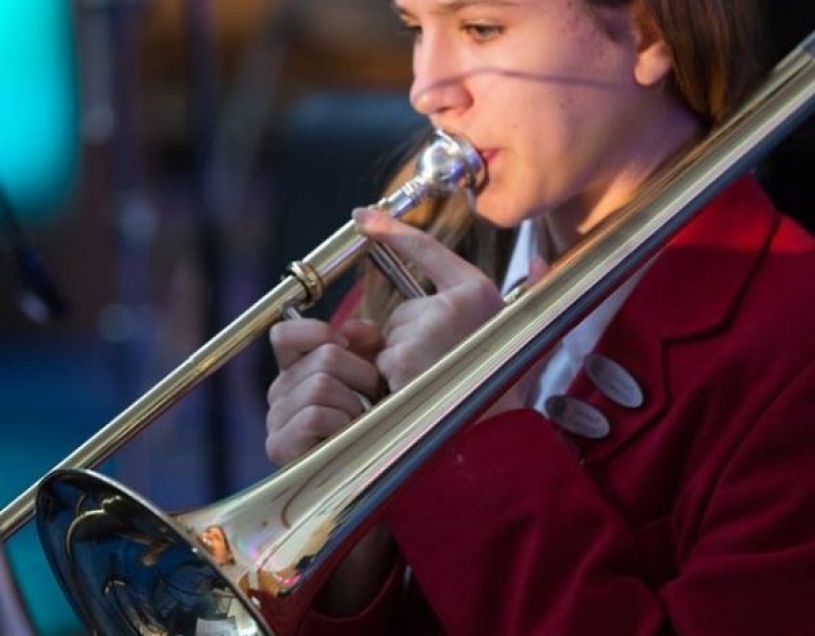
403,311
318,385
308,418
482,289
275,451
276,419
482,285
396,364
316,424
277,334
272,421
273,393
329,355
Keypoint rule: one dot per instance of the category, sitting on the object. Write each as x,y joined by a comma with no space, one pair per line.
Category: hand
421,330
322,372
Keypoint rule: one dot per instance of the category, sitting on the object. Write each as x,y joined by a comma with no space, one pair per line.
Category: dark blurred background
160,163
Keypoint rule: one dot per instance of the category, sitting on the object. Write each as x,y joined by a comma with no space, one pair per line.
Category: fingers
323,372
287,397
291,340
351,370
364,338
317,377
318,393
421,330
444,268
304,411
308,428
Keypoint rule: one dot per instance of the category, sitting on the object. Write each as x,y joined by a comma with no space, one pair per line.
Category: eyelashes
480,32
476,31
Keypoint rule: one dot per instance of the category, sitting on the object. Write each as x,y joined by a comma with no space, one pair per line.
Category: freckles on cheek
588,37
575,21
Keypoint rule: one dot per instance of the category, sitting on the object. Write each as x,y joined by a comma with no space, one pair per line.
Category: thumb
442,266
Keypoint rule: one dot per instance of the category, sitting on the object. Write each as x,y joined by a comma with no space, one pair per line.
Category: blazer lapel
687,294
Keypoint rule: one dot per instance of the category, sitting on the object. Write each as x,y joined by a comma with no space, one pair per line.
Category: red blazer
695,516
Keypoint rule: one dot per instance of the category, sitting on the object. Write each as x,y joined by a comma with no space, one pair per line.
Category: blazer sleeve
507,534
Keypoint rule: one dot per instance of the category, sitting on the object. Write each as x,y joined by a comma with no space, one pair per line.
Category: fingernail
361,215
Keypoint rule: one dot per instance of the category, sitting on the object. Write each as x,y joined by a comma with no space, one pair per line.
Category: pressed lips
487,154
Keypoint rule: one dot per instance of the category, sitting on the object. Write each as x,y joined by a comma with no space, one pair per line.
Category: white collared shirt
569,355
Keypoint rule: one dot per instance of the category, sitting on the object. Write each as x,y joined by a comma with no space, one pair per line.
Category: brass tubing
448,162
199,366
295,525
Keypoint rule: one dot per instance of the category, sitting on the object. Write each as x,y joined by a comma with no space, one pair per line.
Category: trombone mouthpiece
446,164
449,163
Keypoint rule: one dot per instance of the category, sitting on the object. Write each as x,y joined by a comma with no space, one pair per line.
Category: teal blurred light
38,105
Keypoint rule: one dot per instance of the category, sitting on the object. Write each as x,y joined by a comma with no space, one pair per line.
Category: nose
439,81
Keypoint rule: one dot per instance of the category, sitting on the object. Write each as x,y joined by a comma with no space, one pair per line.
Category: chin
498,213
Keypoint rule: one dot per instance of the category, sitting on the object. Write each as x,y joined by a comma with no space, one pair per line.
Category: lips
487,154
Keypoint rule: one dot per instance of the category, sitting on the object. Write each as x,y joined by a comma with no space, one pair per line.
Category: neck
675,130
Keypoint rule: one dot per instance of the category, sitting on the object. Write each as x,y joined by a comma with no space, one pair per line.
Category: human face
214,540
545,94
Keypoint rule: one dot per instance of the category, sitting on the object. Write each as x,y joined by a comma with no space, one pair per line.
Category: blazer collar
694,283
688,291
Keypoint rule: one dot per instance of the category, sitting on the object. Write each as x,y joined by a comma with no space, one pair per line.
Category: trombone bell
230,569
249,565
132,569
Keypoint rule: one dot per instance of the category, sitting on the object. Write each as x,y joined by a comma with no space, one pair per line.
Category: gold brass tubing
294,525
200,365
336,254
457,161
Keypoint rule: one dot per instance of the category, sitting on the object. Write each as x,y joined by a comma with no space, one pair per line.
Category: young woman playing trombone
653,475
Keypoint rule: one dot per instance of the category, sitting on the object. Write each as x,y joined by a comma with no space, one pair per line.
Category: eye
413,31
480,32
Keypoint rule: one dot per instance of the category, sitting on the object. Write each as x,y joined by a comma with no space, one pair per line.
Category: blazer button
614,381
577,417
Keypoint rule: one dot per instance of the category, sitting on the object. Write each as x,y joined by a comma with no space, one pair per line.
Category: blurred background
160,163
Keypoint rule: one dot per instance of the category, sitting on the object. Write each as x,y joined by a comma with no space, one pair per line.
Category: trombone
251,564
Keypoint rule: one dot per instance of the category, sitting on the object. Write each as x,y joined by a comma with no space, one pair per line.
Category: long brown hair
715,45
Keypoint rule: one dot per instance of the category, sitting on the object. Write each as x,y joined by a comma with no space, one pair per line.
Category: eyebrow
454,6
